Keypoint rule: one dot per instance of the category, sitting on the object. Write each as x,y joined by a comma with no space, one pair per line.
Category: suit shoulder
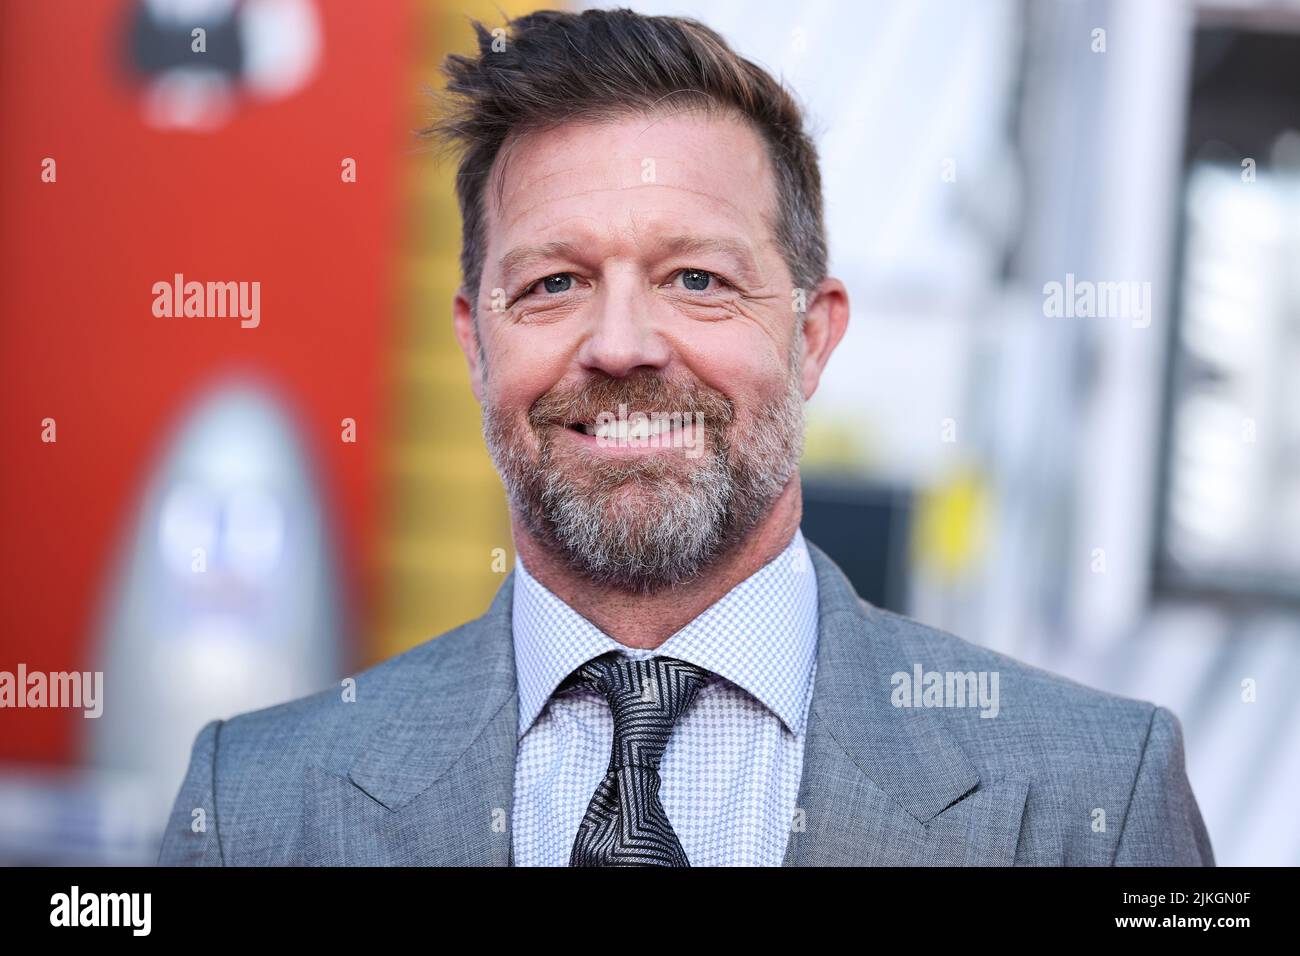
261,759
1044,710
327,728
1077,750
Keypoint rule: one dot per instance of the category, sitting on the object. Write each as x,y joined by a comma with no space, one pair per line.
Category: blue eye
561,282
696,280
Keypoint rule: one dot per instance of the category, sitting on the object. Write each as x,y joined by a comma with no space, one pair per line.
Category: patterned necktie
625,824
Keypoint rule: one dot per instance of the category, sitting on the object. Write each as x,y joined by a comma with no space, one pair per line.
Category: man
672,675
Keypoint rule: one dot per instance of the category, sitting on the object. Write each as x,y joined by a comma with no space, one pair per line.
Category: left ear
462,312
824,325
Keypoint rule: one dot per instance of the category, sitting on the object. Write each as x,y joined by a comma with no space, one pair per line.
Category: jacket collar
461,683
433,784
882,785
913,759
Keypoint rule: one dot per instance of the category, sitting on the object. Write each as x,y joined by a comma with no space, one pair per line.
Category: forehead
684,172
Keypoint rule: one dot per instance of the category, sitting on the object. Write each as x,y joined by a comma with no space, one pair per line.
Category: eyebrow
521,257
739,252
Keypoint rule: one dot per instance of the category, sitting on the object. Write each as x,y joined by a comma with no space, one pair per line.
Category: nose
623,336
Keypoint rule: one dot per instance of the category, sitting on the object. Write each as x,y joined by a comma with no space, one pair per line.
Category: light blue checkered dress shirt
733,764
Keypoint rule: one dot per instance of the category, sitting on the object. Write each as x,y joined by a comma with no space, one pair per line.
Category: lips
640,410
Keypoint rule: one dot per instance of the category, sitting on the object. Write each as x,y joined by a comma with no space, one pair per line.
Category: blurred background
221,518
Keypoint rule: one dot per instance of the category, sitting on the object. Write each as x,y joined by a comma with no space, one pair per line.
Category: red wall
259,200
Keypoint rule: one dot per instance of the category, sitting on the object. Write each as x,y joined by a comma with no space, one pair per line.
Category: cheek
522,368
743,367
514,393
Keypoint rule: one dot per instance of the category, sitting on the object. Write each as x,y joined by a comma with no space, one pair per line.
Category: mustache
641,392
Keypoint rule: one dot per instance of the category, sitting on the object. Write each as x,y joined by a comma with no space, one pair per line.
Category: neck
647,620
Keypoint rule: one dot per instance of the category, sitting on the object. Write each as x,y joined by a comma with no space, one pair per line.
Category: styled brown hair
552,67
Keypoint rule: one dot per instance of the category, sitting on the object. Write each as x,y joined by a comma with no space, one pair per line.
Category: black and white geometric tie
625,824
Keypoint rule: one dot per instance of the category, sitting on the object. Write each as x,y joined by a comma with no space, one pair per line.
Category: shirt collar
761,635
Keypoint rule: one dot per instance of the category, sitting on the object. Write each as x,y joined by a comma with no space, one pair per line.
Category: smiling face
642,371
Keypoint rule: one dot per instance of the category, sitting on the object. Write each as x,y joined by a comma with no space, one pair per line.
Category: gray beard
643,526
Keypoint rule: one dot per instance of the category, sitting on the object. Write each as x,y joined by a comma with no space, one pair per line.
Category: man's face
643,374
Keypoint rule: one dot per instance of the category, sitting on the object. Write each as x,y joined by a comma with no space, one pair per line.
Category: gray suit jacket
419,768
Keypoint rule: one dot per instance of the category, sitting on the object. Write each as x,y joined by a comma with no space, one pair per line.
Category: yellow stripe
443,510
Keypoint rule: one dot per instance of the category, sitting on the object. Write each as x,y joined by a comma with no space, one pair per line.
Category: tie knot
646,698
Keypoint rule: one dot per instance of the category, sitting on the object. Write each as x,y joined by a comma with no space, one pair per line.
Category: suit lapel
433,784
883,785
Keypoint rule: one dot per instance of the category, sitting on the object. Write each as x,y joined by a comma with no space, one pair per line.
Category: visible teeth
638,429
